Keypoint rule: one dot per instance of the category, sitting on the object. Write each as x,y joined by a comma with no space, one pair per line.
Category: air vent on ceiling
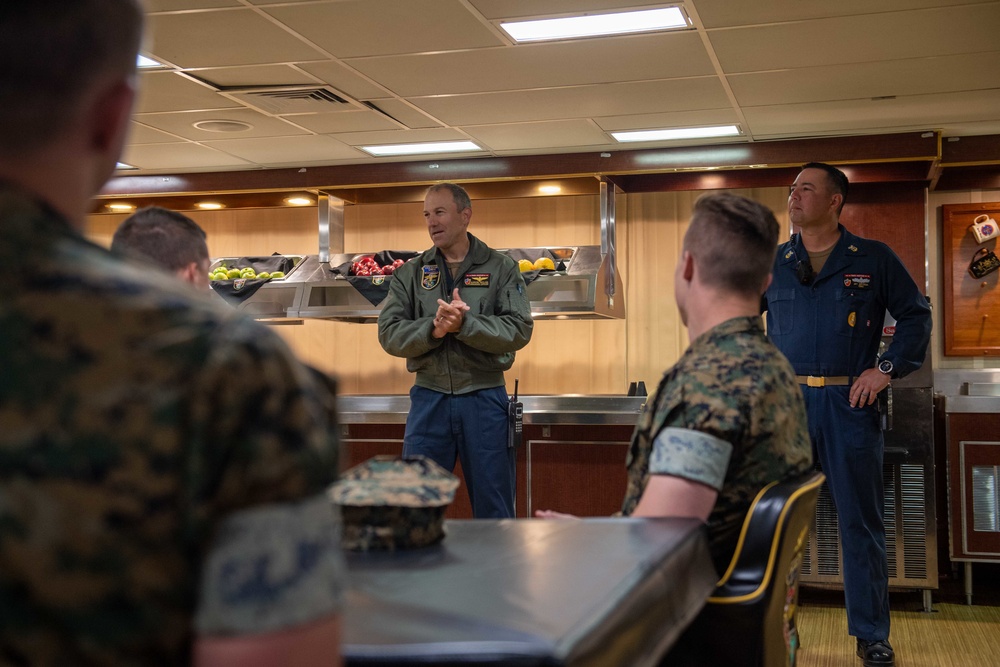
287,100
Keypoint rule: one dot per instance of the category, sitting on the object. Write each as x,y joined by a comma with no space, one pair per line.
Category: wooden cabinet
573,468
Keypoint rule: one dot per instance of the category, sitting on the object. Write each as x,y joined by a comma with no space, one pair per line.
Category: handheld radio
515,418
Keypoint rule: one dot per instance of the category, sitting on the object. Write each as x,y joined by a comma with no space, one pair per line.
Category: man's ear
767,283
188,273
109,121
687,269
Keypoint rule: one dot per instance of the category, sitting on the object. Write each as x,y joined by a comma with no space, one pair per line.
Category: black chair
749,621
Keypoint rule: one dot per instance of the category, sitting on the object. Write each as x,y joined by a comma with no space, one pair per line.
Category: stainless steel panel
614,410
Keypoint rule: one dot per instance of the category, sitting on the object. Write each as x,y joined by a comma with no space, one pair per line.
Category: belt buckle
814,381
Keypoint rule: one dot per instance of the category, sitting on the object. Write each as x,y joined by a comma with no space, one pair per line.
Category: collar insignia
788,255
852,248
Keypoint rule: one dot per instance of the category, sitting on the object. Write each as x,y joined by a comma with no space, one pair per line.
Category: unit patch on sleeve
858,280
431,276
477,280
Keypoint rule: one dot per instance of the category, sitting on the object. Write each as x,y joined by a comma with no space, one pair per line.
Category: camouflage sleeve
272,567
693,455
265,430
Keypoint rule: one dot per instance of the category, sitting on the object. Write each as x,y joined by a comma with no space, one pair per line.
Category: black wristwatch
885,367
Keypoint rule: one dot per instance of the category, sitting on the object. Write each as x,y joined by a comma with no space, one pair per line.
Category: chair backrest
756,599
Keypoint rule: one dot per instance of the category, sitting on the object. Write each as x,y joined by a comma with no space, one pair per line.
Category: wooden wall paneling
971,306
655,227
894,213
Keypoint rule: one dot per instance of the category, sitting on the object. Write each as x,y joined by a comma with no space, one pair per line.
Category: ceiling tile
181,5
195,39
179,157
865,80
182,124
358,27
168,91
286,151
344,79
627,58
651,121
577,102
726,13
406,114
865,116
141,134
400,136
253,76
343,121
856,39
550,134
507,9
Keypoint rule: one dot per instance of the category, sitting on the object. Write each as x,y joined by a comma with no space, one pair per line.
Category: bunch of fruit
367,266
223,272
540,264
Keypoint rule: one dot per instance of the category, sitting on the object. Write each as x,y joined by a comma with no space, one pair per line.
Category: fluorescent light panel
142,62
418,149
678,133
648,20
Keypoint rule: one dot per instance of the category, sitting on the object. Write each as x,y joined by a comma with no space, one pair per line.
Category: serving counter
572,457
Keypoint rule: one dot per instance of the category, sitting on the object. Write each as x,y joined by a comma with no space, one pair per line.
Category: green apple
232,274
277,274
263,275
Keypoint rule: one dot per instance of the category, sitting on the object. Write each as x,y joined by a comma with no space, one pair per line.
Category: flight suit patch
858,280
431,276
852,319
477,280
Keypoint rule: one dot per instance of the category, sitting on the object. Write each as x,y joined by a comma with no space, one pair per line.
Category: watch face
885,367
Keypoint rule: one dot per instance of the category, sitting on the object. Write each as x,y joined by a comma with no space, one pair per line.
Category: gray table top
530,592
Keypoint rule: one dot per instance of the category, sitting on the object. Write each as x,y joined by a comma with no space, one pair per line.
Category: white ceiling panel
726,13
631,58
183,124
509,9
345,79
354,28
913,76
648,121
184,5
548,135
865,116
286,151
406,113
253,76
858,39
577,102
181,157
169,91
140,134
400,136
343,121
193,39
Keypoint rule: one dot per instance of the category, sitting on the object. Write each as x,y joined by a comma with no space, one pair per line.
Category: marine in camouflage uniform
733,386
162,458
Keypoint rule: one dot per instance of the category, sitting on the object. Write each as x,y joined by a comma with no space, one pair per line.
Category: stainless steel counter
976,404
564,409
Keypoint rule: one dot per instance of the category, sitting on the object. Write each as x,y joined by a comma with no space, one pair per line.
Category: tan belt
814,381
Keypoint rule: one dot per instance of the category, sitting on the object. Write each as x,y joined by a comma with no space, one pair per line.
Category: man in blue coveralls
825,310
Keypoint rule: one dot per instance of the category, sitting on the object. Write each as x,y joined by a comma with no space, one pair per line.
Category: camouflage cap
391,502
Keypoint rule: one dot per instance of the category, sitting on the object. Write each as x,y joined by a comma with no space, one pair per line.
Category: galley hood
584,283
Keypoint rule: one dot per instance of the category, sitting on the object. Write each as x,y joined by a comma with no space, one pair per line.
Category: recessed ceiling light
549,189
142,62
647,20
222,125
418,149
678,133
298,201
209,205
120,207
